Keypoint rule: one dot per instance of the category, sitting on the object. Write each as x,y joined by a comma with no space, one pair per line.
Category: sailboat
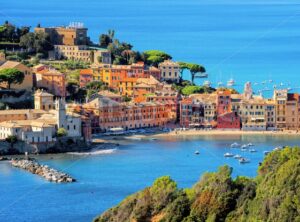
230,82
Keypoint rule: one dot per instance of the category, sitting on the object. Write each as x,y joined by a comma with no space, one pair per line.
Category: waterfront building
280,98
199,110
39,125
107,113
223,102
292,111
27,83
270,107
170,71
229,120
51,80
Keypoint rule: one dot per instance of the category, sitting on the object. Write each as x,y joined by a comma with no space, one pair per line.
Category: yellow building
170,71
280,97
43,100
2,56
28,79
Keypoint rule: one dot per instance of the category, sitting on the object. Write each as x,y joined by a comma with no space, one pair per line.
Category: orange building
106,114
50,79
85,76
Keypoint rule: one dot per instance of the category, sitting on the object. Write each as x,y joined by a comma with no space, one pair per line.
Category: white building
170,71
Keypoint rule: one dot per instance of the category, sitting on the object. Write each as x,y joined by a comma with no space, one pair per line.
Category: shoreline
225,133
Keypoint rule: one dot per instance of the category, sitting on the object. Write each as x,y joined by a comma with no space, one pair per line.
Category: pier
44,171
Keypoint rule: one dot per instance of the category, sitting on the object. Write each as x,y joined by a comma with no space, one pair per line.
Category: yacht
244,146
244,160
207,83
228,155
231,82
220,83
235,145
202,75
197,152
237,157
252,151
250,144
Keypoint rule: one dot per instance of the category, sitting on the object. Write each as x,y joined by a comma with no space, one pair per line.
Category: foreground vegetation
274,195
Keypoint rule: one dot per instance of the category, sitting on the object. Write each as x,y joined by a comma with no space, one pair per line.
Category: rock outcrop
44,171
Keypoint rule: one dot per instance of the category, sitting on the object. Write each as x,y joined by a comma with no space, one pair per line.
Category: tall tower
248,92
60,108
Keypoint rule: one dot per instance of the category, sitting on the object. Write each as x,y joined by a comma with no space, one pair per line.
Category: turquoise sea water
245,40
104,180
249,40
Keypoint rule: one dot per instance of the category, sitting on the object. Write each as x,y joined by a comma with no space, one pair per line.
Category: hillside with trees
273,195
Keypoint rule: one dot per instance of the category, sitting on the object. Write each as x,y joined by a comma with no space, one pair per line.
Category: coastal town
81,90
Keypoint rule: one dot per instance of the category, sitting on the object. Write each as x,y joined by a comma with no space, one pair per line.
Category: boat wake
94,152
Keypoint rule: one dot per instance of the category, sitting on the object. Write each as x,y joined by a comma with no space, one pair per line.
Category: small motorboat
252,151
243,149
250,144
197,152
237,157
266,152
244,146
244,160
228,155
235,145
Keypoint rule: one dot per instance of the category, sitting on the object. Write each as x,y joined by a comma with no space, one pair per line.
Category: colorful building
51,80
27,83
170,71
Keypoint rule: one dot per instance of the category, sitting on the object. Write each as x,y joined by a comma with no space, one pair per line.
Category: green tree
194,69
154,57
11,76
188,90
61,132
104,40
11,140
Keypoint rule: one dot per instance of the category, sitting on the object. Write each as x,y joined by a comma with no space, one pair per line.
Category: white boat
228,155
243,149
244,146
270,80
266,152
197,152
244,160
235,145
237,156
207,83
202,75
230,82
220,83
263,82
252,151
256,83
250,144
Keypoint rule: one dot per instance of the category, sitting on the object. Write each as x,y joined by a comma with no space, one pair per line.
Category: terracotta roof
42,93
10,64
108,93
86,72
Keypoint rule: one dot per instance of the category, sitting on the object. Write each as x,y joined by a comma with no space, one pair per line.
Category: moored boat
228,155
244,160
